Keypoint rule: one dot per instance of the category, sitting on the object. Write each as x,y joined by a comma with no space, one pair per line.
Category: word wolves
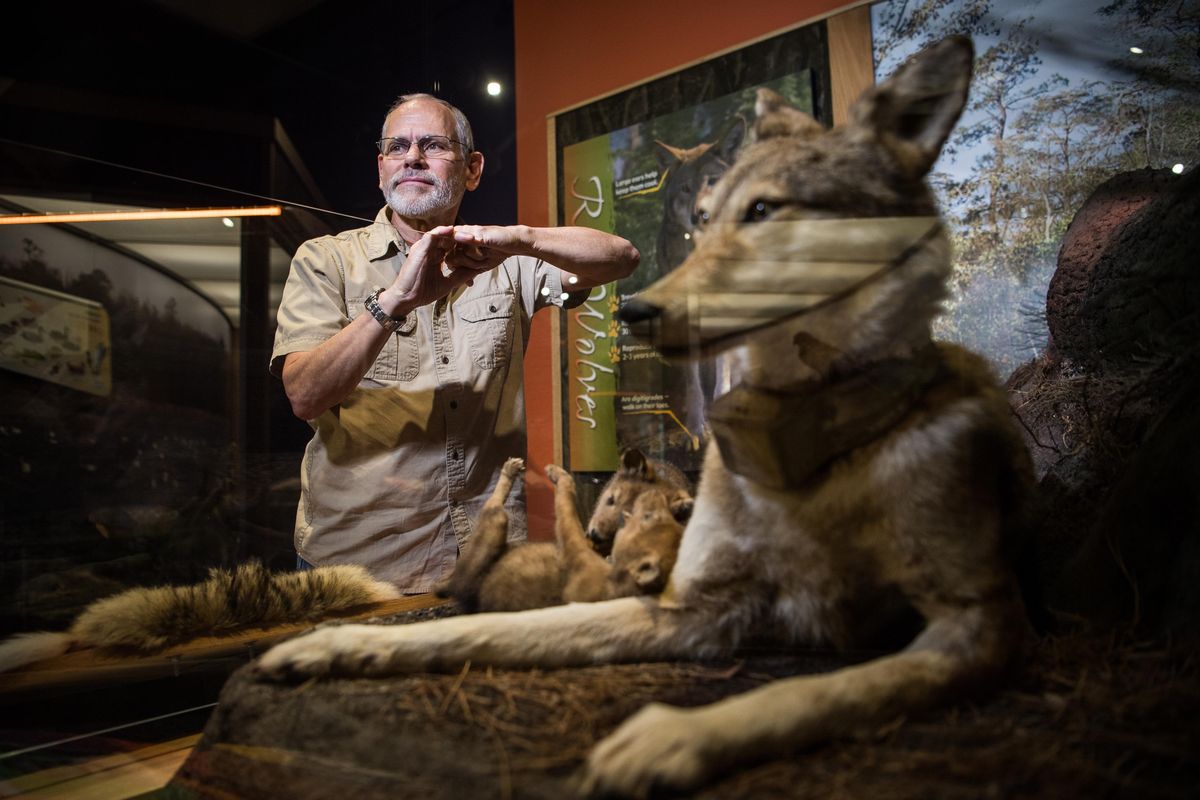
148,620
857,467
491,576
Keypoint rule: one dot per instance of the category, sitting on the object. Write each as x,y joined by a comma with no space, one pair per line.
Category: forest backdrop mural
1066,94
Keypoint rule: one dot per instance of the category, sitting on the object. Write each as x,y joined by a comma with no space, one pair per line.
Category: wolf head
691,175
635,476
821,242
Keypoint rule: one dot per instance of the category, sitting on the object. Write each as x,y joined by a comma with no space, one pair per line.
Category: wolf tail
147,620
26,648
487,544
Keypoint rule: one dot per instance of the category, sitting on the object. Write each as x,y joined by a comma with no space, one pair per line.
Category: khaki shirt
395,475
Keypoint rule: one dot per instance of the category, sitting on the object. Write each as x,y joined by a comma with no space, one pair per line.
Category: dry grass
1086,717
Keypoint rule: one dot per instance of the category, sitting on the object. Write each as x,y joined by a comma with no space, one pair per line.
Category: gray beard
431,203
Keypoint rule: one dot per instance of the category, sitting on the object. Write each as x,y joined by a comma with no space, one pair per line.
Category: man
402,344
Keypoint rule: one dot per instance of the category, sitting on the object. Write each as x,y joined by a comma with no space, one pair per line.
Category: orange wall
572,52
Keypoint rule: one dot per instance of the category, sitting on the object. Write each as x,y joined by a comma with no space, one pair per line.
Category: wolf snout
636,310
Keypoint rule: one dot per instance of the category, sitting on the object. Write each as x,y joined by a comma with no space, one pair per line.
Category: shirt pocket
399,359
489,324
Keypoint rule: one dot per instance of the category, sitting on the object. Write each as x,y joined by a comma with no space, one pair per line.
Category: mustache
419,174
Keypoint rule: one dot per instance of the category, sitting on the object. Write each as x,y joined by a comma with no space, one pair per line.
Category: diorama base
1087,716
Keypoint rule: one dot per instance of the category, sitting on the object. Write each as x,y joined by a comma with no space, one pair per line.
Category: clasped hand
450,256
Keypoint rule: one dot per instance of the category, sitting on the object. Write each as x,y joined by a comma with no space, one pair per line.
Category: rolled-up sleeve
313,308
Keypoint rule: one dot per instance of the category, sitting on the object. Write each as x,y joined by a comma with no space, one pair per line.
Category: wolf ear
668,156
731,141
646,573
635,465
776,117
681,506
913,111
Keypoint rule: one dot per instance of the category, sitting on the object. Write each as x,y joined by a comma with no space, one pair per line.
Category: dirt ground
1088,716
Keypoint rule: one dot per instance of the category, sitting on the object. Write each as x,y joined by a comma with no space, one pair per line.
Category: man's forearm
318,379
594,256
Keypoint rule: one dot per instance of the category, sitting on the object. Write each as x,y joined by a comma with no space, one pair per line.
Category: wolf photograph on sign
644,182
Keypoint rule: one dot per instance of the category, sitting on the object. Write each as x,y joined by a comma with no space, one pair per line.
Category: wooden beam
851,60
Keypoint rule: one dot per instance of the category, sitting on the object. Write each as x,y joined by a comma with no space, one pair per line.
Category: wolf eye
759,210
611,500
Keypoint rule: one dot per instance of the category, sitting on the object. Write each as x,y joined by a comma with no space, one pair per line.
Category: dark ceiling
326,70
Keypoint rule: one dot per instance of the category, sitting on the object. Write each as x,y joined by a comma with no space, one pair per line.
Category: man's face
423,187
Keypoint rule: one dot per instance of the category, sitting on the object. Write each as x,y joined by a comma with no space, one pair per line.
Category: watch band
389,323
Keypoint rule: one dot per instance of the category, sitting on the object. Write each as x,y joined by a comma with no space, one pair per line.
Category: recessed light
1177,169
228,223
493,88
1137,51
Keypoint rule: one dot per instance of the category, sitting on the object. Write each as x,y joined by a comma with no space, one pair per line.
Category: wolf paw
342,649
513,467
556,473
659,748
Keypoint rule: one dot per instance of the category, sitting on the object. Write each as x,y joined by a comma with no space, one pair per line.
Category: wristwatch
389,323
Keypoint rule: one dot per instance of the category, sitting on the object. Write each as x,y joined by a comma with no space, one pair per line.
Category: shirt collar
382,237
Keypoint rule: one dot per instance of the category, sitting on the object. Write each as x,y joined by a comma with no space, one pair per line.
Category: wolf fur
492,576
922,512
148,620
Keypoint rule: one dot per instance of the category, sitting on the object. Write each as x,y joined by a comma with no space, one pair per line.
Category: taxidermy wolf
636,519
857,466
147,620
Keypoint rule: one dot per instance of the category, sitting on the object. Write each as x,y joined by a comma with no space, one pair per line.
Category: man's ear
379,166
474,170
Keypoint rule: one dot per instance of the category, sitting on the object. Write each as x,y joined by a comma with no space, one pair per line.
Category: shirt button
453,405
445,359
492,309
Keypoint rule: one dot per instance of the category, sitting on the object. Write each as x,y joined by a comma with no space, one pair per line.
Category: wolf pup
147,620
491,576
857,461
634,475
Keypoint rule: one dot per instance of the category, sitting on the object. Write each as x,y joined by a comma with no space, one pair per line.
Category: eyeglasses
429,146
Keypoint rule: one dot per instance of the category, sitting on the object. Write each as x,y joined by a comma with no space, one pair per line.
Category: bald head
462,127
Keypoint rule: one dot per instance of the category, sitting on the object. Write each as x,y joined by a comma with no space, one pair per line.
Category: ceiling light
493,88
1177,169
162,213
227,222
1137,51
